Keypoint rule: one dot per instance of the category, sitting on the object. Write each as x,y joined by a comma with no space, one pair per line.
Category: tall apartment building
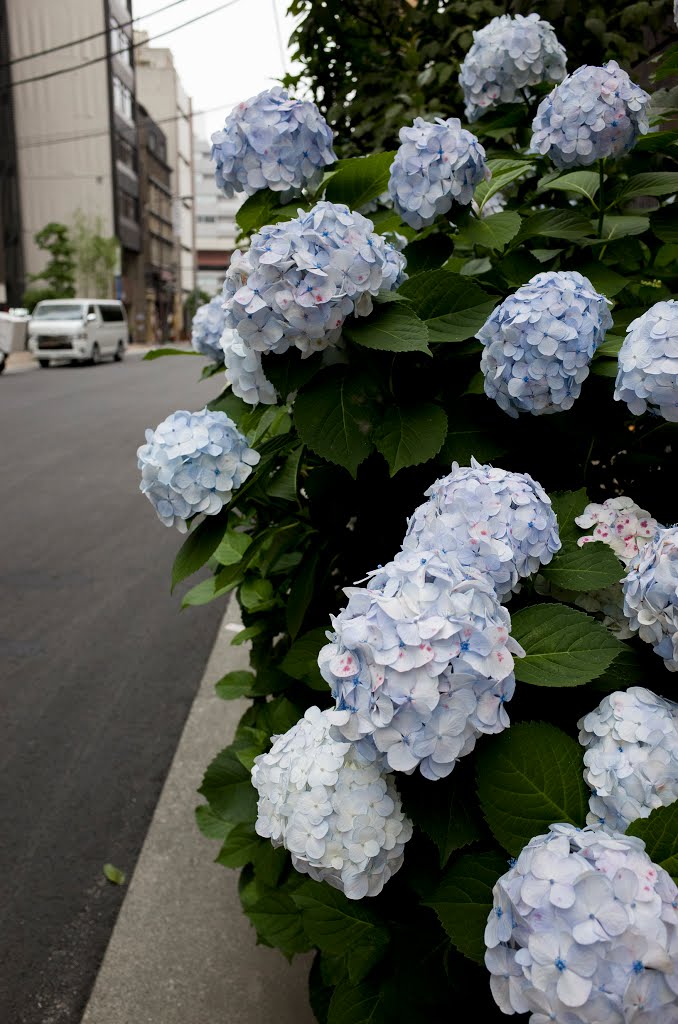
215,226
69,140
160,90
159,249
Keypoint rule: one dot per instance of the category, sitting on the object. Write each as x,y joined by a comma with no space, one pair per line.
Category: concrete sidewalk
182,951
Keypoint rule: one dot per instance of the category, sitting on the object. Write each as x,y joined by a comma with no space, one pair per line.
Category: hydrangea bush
413,557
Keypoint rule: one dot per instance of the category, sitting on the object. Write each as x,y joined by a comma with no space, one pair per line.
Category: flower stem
601,198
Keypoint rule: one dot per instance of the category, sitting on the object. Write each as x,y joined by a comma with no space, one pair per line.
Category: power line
132,46
55,140
87,39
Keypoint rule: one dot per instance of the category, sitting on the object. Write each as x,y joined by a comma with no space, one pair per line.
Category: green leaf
248,633
453,307
199,545
228,789
530,777
611,346
427,253
581,183
278,922
341,926
590,567
211,588
210,824
655,183
605,367
410,435
655,142
394,327
563,647
264,207
114,874
235,684
463,900
622,227
603,278
360,179
257,595
667,63
301,661
334,416
240,846
494,232
445,811
664,223
659,832
301,593
567,505
566,224
284,484
356,1004
289,372
628,669
504,173
158,353
232,547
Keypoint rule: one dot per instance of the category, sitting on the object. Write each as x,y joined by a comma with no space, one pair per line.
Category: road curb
182,952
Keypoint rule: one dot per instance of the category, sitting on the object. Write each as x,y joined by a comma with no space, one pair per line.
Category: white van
82,330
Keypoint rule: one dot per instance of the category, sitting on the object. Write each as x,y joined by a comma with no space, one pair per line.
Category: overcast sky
223,58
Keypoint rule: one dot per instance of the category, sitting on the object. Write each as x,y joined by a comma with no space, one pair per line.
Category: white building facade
215,226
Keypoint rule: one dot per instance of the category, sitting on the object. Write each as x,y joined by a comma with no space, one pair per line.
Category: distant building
215,226
160,91
155,197
68,140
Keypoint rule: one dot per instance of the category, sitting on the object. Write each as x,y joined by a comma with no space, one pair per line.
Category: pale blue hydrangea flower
509,55
651,595
420,661
648,363
272,141
435,166
594,113
490,520
631,756
540,341
207,328
299,281
340,817
192,463
584,929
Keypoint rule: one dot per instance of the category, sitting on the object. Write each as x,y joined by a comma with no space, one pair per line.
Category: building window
124,152
122,100
120,43
128,206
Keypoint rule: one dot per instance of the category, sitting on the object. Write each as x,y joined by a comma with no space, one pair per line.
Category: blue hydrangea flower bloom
648,363
651,595
540,341
584,929
436,165
298,282
491,520
508,55
631,756
191,463
207,328
272,141
594,113
420,663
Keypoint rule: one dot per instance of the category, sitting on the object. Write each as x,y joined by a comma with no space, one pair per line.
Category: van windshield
58,311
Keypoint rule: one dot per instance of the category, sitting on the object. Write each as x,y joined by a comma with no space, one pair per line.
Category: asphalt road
98,667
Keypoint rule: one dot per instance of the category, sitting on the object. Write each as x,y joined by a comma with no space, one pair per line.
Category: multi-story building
155,198
160,90
74,146
215,226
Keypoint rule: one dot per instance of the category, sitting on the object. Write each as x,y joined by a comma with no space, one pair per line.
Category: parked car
12,333
82,330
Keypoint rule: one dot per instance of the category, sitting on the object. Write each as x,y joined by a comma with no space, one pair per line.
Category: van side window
91,311
111,311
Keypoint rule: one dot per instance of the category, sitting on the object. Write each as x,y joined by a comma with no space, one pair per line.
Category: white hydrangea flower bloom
508,55
340,817
594,113
420,663
651,595
619,523
491,520
436,165
648,363
584,930
631,756
539,343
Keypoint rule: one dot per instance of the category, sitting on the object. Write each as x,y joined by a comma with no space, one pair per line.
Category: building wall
215,226
161,92
62,123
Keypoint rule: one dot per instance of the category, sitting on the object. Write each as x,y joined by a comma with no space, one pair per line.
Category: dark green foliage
59,271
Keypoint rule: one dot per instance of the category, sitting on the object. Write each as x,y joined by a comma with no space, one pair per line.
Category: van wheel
44,363
119,353
95,358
